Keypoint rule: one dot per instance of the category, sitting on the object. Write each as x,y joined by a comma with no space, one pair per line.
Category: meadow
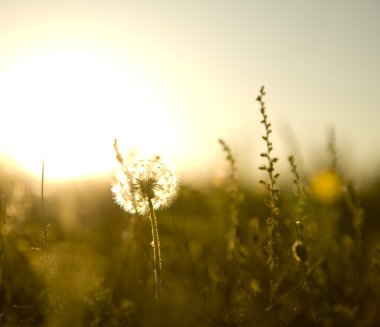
303,254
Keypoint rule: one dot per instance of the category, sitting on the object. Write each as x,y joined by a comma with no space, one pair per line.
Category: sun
66,107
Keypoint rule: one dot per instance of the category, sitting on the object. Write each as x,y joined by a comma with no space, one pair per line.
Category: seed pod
299,251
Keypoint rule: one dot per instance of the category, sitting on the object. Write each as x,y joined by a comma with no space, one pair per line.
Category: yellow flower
142,180
326,186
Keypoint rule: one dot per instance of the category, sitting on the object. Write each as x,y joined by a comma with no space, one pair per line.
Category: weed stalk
236,197
272,245
43,211
2,255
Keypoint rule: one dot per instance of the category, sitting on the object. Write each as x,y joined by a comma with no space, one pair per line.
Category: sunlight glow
67,107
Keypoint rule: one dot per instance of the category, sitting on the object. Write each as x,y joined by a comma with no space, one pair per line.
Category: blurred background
171,77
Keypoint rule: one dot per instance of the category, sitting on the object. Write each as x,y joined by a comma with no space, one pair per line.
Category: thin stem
308,292
156,249
43,210
2,242
236,197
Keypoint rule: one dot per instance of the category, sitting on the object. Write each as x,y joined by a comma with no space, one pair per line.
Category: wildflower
143,180
326,187
143,187
299,251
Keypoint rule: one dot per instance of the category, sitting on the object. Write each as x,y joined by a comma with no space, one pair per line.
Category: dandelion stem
156,249
43,210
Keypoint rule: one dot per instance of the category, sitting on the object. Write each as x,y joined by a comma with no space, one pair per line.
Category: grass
43,211
305,255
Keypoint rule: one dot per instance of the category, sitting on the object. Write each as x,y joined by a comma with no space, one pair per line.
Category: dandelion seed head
299,251
142,180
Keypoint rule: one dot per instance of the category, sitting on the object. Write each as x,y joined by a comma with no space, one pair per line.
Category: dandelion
144,181
141,188
299,251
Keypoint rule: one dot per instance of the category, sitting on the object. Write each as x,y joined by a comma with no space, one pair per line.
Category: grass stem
2,252
43,210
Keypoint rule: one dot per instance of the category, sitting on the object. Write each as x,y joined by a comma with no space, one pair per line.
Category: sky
171,77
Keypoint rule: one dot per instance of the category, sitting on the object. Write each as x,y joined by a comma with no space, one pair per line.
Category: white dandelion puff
141,188
142,180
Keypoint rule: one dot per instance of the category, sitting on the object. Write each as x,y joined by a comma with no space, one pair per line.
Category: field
305,254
